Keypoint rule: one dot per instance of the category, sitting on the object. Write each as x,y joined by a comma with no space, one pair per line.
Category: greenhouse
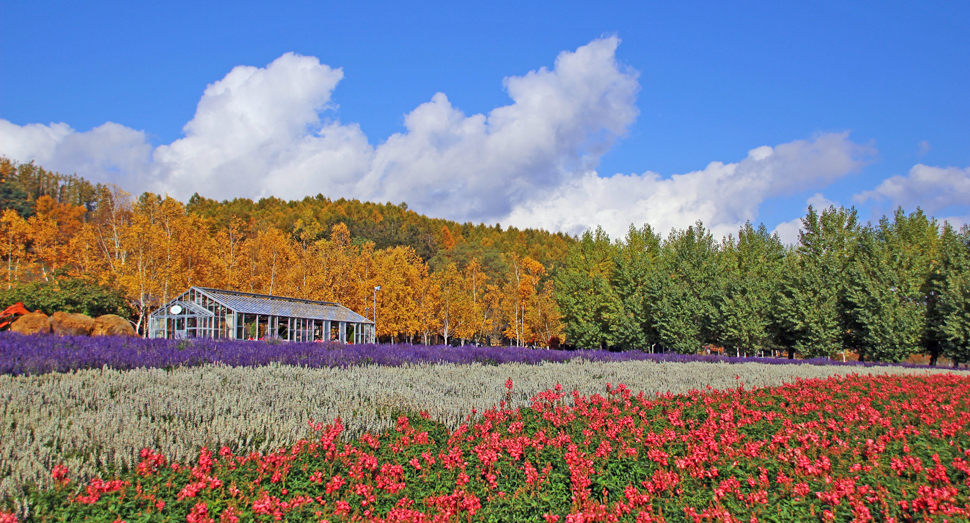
215,313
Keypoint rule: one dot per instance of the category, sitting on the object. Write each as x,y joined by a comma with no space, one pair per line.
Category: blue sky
861,104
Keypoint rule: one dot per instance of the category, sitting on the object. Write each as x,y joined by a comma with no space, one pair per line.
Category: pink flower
335,483
60,475
199,514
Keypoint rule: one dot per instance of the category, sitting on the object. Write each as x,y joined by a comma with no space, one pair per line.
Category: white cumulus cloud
258,132
109,152
931,188
32,141
723,196
479,167
270,131
261,131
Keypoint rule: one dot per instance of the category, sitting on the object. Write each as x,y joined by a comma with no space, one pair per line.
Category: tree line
439,280
22,184
882,291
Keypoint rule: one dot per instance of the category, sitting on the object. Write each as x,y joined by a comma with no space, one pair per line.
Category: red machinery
11,313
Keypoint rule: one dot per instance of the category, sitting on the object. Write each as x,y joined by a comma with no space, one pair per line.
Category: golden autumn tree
229,255
164,250
365,278
427,297
45,254
7,167
16,234
98,250
456,304
86,256
175,234
447,241
267,253
197,253
397,304
519,297
306,256
336,267
143,272
109,224
482,297
542,318
51,229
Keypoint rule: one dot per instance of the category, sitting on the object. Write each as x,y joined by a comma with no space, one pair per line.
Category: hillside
439,278
879,291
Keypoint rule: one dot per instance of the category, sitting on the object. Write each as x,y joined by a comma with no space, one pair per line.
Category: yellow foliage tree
142,274
519,298
336,265
267,252
16,233
543,320
306,256
447,241
428,298
457,305
397,303
86,256
229,255
109,229
51,230
482,300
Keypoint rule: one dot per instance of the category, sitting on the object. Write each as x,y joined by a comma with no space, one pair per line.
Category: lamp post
377,288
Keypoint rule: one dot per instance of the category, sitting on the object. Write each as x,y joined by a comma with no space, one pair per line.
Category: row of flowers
886,448
20,354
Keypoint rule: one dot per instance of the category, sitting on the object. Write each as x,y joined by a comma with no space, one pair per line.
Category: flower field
99,419
21,354
857,447
164,430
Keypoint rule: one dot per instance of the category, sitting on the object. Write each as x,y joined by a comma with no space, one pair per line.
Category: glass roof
266,305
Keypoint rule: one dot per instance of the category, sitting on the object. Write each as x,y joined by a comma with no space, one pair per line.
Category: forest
877,292
439,280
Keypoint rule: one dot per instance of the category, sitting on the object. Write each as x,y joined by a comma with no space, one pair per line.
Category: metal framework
216,313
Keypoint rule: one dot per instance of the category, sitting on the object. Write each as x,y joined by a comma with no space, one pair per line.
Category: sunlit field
555,440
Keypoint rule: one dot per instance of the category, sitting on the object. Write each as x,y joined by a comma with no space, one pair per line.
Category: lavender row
21,354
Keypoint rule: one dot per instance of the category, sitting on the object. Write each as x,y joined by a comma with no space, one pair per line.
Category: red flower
59,474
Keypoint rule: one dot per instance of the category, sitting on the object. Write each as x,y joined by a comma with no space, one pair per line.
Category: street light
377,288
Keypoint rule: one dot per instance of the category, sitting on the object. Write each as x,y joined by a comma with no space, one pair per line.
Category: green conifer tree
953,288
751,274
810,312
586,300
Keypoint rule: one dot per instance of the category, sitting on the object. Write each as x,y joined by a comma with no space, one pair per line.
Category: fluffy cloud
263,131
259,132
931,188
110,152
724,196
32,141
480,167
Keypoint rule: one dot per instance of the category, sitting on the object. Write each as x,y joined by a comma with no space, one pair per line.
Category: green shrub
73,295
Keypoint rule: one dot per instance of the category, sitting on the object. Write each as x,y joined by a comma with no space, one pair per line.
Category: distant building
215,313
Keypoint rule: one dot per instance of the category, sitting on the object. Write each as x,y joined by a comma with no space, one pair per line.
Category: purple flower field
20,354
